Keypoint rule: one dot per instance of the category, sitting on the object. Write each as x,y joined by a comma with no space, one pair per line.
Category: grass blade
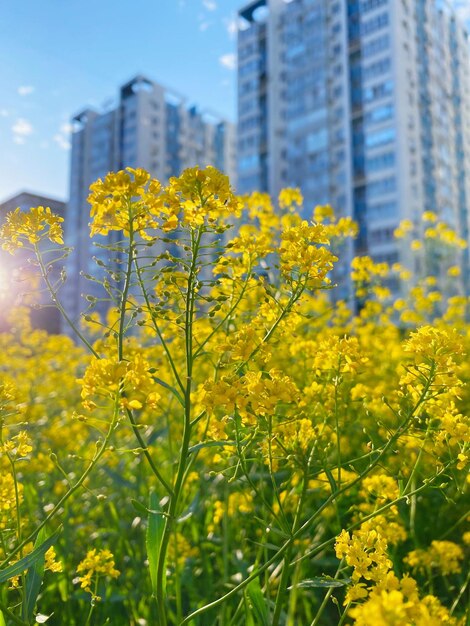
156,524
258,603
27,561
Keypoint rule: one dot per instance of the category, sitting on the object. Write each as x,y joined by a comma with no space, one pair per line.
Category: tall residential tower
151,127
364,104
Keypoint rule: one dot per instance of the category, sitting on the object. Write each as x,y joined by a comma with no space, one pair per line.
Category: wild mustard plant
230,444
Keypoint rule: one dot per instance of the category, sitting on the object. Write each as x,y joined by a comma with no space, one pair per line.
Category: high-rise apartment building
364,104
151,127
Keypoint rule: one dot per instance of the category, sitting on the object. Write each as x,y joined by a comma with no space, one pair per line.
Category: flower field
251,434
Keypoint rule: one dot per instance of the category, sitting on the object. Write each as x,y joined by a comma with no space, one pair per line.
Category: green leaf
331,480
33,579
210,444
170,388
153,542
258,603
2,619
27,561
139,507
321,581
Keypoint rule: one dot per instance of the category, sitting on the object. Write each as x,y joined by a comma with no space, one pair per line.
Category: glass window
380,137
379,162
379,114
317,140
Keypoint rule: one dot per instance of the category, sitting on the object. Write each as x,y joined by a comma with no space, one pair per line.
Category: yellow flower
323,212
444,556
366,552
200,195
19,446
30,226
8,501
130,379
304,255
289,197
364,269
96,564
429,216
403,229
454,271
124,201
51,563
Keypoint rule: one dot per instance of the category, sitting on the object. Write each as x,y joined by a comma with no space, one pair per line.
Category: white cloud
62,141
21,129
25,90
462,8
231,25
228,60
62,138
210,5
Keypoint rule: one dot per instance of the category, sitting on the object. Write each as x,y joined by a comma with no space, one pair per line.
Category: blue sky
57,56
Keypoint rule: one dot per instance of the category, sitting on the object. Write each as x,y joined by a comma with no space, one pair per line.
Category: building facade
15,270
151,127
363,104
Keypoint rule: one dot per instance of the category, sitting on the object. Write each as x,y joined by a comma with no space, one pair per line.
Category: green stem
305,526
183,455
155,325
328,595
58,304
287,558
97,456
120,339
7,613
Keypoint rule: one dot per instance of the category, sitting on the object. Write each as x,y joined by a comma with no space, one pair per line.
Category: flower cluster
128,200
18,446
96,564
130,380
8,499
304,255
400,605
442,556
200,195
30,226
366,552
388,600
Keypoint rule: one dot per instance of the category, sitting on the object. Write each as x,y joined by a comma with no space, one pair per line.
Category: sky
60,56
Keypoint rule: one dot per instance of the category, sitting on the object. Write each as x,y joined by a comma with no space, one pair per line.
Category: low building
17,270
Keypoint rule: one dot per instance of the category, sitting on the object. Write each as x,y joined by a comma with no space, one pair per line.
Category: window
380,137
317,140
379,162
374,23
376,69
381,187
376,45
375,92
382,235
382,210
248,163
370,5
379,114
